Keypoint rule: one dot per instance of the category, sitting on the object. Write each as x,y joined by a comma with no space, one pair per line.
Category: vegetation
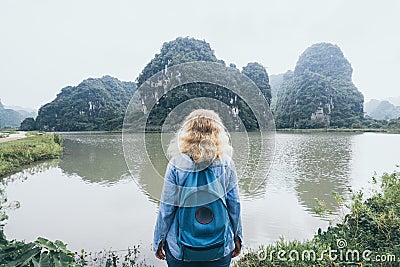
95,104
14,154
320,92
40,253
372,227
28,124
45,253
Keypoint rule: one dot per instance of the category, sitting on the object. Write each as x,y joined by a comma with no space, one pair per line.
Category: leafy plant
40,253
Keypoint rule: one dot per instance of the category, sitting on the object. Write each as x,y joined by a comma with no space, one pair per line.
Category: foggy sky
47,45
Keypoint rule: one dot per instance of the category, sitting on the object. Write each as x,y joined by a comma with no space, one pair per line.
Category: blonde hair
202,136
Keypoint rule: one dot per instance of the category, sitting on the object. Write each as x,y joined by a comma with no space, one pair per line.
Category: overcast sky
47,45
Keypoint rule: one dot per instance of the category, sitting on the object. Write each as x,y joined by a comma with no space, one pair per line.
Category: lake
90,199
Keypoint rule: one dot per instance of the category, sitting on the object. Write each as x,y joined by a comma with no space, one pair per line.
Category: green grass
17,153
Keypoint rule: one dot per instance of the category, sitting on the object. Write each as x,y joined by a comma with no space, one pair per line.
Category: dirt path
11,137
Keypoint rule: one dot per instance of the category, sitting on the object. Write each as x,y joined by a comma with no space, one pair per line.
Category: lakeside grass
17,153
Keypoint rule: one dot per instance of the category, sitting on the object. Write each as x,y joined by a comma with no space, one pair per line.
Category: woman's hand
238,247
160,253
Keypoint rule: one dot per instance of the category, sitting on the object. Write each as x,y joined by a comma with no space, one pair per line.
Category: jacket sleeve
233,203
166,210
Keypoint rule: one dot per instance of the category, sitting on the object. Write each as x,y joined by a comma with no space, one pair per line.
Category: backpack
203,219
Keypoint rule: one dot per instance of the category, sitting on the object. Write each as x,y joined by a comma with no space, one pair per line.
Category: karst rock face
184,50
320,92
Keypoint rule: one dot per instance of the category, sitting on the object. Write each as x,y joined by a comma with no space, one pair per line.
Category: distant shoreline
287,130
346,130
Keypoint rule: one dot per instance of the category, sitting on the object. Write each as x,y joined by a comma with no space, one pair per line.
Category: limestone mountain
371,105
178,51
95,104
320,92
183,50
276,80
382,110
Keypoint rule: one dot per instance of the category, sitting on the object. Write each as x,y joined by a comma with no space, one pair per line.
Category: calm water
89,199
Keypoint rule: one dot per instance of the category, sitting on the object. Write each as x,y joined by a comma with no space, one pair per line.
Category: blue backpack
203,219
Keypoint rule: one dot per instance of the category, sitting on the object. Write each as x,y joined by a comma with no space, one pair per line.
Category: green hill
95,104
320,92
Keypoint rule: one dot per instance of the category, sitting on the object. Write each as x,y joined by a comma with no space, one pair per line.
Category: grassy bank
369,235
18,153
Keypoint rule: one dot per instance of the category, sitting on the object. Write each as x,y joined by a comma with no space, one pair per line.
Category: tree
28,124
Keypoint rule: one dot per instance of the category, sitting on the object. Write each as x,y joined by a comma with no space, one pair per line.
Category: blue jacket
175,176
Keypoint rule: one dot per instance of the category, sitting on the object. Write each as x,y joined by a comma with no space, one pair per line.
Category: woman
202,143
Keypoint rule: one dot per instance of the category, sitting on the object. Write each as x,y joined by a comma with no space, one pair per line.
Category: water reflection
318,164
322,165
34,168
253,156
97,158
